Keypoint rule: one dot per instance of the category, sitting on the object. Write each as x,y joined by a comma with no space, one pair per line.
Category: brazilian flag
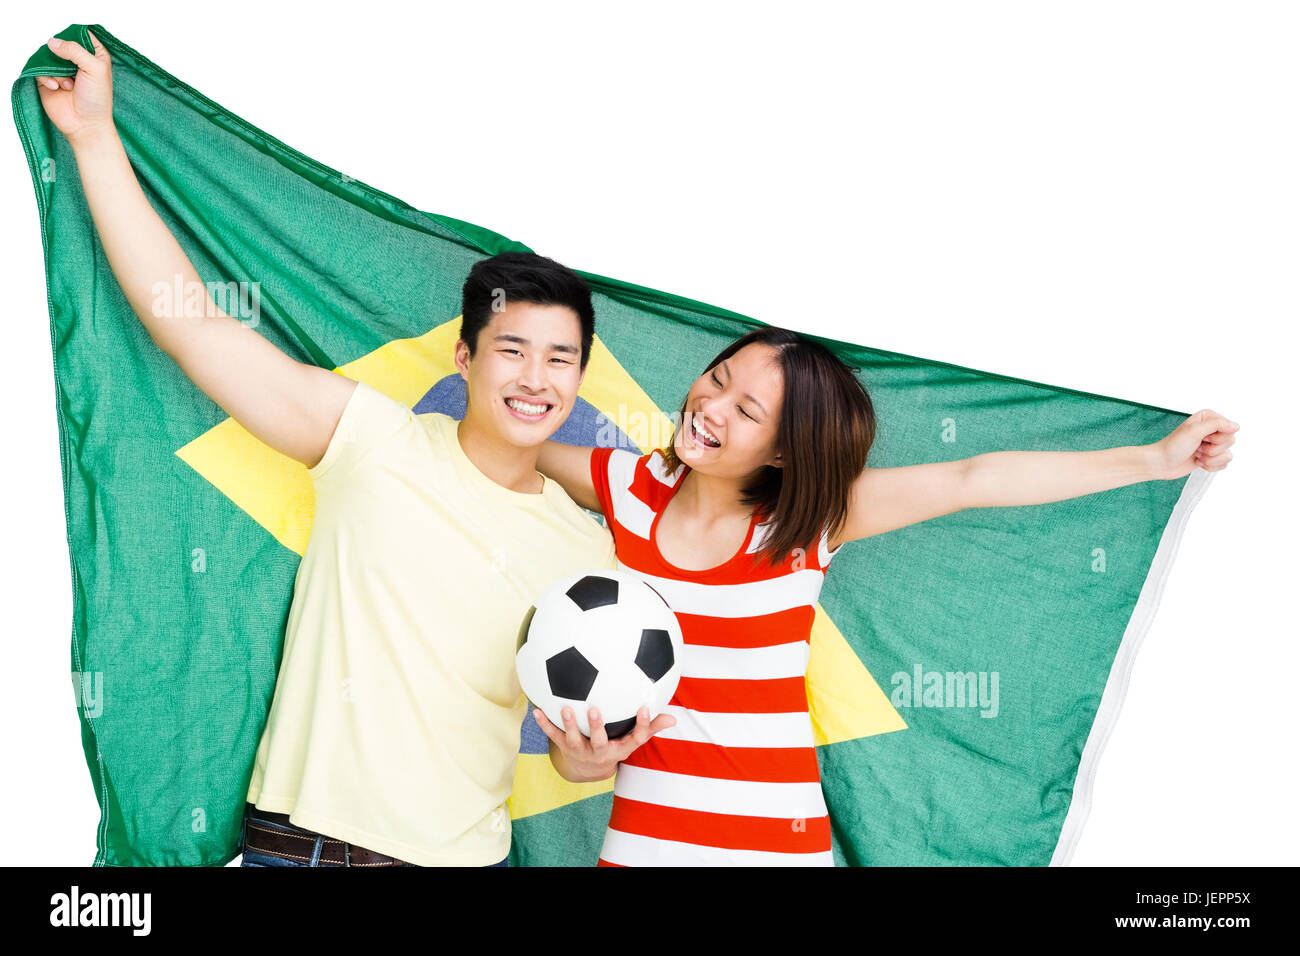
965,672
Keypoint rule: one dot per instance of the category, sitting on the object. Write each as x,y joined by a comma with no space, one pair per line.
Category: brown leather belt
300,844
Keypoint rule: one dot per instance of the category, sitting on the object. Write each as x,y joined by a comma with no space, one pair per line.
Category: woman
736,525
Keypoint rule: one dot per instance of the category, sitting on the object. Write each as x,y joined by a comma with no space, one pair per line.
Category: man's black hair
523,277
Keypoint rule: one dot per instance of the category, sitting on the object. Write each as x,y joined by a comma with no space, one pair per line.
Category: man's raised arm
291,406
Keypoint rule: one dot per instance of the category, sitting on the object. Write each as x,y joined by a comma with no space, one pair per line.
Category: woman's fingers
1213,454
572,734
599,739
598,746
553,733
662,722
1215,461
638,735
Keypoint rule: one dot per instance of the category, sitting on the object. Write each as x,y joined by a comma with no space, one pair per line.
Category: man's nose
533,375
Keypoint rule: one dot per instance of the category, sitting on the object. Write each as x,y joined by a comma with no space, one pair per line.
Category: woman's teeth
524,408
706,438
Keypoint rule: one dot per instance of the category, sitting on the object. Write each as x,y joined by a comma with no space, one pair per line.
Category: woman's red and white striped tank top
735,781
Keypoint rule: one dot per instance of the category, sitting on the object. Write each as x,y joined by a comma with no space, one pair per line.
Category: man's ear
461,358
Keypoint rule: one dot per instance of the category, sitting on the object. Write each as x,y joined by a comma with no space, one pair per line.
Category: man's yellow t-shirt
396,716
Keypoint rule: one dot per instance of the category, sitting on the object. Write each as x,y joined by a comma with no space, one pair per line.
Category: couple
394,727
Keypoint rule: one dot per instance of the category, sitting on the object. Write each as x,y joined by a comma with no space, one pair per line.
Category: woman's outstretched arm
883,499
1005,478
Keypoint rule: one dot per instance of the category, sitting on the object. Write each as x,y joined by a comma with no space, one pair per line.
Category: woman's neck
710,499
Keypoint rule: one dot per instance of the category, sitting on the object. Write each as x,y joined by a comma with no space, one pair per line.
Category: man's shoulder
439,425
436,419
557,499
368,422
560,503
374,408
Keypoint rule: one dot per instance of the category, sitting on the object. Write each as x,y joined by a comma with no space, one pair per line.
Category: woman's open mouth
702,437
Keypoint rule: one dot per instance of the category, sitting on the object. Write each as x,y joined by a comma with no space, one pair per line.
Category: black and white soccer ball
602,639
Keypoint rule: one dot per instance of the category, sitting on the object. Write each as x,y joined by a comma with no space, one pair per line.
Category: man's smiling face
523,378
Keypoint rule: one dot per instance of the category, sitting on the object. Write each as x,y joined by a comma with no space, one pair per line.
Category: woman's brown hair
825,430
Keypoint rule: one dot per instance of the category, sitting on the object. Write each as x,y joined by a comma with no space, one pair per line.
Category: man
394,726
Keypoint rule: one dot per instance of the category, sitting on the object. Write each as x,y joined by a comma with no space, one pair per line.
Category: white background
1094,195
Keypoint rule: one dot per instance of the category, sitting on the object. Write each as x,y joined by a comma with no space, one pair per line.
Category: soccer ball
602,639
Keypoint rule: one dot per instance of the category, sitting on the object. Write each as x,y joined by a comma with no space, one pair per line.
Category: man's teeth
525,407
703,433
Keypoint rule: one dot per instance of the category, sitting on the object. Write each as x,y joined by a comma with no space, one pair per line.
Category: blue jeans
254,858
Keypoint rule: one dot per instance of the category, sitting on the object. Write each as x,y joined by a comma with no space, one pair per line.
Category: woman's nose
711,409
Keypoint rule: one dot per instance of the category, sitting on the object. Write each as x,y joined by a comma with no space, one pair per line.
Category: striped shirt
735,780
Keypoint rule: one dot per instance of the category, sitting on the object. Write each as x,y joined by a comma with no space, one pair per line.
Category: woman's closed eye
714,376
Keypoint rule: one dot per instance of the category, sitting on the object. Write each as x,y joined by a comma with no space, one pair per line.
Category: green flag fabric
965,672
